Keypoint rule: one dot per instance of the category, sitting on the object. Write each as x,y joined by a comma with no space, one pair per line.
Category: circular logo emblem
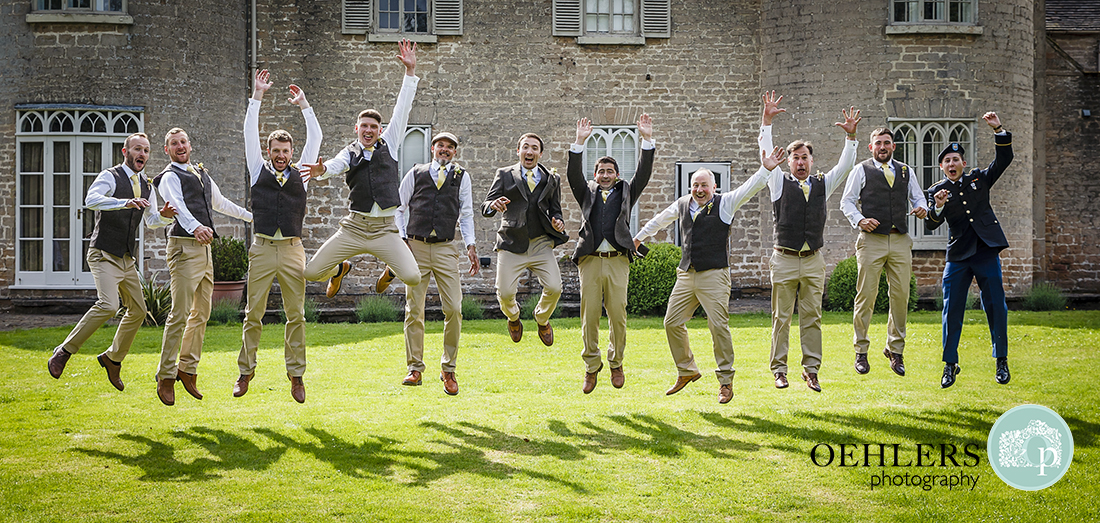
1030,447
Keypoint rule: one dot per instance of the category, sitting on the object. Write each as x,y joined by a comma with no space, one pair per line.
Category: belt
610,254
792,252
427,240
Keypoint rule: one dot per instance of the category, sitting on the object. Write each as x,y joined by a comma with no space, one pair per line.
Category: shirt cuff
574,148
648,144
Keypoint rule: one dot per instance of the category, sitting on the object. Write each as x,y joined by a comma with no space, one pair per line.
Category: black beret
951,148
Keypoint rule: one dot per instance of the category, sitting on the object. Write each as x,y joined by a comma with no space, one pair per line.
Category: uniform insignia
973,186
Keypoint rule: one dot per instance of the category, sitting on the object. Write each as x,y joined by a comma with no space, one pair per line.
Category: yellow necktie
531,180
281,178
440,177
605,192
805,188
191,169
889,174
135,185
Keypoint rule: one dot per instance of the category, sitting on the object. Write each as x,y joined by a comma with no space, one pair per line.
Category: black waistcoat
116,231
373,181
798,221
278,207
432,209
604,217
196,197
535,227
888,205
706,238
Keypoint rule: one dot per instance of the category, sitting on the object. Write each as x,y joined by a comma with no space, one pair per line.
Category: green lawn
521,442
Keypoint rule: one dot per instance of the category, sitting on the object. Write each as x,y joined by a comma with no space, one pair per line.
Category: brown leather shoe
681,382
190,383
450,383
897,364
725,393
617,377
241,387
515,330
166,391
811,381
335,282
384,280
862,365
114,370
546,334
297,388
590,380
413,379
781,380
57,362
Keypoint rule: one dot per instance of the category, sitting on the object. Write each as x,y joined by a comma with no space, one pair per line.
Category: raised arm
1003,141
837,175
394,133
314,135
574,173
645,161
253,154
771,107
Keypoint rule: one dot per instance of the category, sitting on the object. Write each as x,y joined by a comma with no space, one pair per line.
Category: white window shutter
656,18
447,17
567,18
356,16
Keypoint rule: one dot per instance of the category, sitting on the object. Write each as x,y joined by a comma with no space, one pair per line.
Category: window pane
61,157
30,160
30,255
30,190
116,153
60,255
84,256
60,222
61,189
113,5
412,150
30,222
93,157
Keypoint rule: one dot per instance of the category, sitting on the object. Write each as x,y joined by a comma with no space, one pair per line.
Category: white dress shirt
254,158
728,205
101,197
465,201
856,181
393,135
172,192
833,178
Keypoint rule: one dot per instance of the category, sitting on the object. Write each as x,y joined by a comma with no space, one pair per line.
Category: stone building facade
491,71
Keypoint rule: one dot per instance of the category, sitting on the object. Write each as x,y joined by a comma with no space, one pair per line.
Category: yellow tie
605,192
531,180
889,174
805,188
191,169
281,177
135,185
440,177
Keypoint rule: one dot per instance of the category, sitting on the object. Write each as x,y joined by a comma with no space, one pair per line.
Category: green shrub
312,314
471,309
226,311
230,258
1044,297
527,308
158,301
652,279
973,301
375,309
841,289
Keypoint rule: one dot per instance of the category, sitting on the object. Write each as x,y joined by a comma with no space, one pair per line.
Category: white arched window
620,143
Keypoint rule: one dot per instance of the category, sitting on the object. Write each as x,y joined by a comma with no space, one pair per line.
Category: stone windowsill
934,29
611,40
79,18
397,37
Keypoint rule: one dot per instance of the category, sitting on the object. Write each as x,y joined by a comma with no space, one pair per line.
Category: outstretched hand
992,119
168,211
645,127
309,170
406,54
261,84
298,97
851,120
771,161
771,107
584,130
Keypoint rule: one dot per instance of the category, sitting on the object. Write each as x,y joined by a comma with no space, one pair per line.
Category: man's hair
126,144
797,144
279,135
610,160
529,135
708,172
369,113
879,132
174,130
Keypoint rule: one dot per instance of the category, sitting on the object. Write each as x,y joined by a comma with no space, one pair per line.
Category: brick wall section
825,56
1072,229
184,62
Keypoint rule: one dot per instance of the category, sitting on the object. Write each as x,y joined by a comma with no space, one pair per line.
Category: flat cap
445,136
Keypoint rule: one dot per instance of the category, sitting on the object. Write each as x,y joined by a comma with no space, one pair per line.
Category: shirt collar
130,172
183,166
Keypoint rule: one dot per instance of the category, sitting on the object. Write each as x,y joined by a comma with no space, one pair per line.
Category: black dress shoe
897,364
862,365
1002,371
950,370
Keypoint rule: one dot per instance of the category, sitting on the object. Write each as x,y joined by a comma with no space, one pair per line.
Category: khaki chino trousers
361,234
116,281
511,267
802,279
269,259
439,259
711,290
875,252
603,286
192,272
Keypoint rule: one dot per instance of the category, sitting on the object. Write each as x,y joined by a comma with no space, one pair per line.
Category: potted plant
230,258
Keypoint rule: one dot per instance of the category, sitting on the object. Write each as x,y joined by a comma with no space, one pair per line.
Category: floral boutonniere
819,176
554,171
708,206
457,173
199,166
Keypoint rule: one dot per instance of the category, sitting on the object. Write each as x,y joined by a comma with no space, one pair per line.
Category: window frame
404,165
920,155
445,18
96,14
652,19
934,26
33,125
